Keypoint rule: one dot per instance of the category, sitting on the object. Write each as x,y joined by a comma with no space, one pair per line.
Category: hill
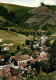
20,12
14,38
28,20
42,16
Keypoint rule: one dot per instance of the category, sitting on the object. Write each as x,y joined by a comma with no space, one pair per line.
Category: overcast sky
31,3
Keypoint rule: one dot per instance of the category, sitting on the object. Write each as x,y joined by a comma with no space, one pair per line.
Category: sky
30,3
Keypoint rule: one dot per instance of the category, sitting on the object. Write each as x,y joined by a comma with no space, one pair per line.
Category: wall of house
23,61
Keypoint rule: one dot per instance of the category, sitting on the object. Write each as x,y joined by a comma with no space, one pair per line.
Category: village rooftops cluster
18,65
22,61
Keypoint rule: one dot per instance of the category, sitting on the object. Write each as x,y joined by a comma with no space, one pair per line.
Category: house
41,59
5,72
35,46
22,58
46,48
1,73
29,70
6,48
11,78
21,67
43,54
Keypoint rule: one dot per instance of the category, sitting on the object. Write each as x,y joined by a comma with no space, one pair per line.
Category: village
18,66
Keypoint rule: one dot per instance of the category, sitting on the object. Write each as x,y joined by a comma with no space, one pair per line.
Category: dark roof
14,71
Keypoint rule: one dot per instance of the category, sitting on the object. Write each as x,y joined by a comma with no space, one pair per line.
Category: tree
52,52
27,42
18,48
36,65
47,43
45,67
0,50
11,16
31,46
42,4
15,63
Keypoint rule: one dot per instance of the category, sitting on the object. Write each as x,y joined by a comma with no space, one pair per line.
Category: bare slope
42,16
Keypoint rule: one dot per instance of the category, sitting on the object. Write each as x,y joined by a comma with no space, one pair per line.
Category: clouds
36,3
51,2
6,1
31,3
21,3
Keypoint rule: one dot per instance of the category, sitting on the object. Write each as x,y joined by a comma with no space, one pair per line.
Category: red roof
39,59
8,74
21,67
12,78
1,73
6,69
22,57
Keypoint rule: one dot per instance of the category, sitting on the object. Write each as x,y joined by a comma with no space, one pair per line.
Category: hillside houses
10,71
21,65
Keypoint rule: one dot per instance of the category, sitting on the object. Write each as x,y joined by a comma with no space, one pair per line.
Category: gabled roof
22,57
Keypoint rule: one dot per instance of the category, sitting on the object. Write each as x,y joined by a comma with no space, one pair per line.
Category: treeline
8,15
24,32
19,18
48,26
22,16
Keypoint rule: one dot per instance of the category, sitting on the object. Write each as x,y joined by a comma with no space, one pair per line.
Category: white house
35,46
43,54
6,48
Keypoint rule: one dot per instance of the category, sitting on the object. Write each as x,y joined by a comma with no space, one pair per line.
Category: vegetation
13,29
47,43
52,7
19,14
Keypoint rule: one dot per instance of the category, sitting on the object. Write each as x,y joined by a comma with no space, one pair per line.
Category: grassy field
51,42
53,35
12,37
12,7
2,19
